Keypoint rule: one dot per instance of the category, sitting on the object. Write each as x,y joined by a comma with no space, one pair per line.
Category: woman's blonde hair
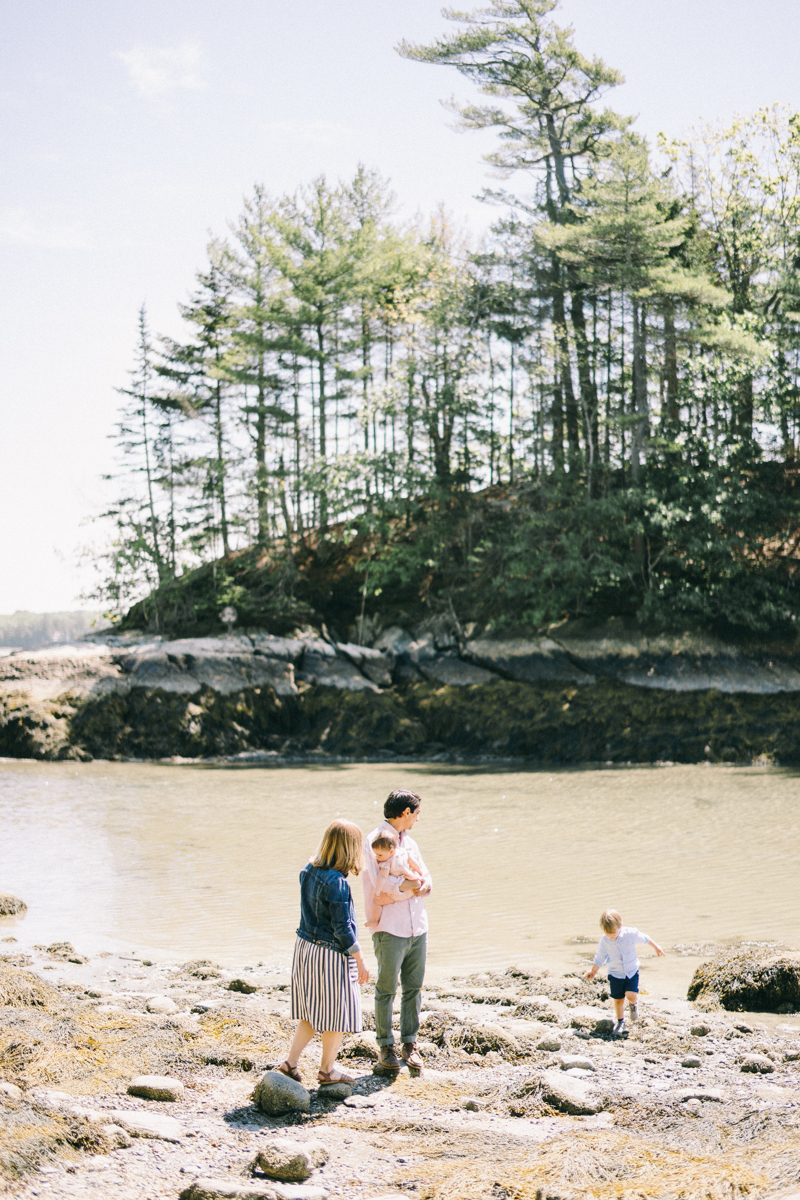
341,848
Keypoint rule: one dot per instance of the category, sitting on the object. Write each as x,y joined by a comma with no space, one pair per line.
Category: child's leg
633,1002
619,1007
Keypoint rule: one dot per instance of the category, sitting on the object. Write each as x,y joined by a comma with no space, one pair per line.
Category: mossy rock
745,981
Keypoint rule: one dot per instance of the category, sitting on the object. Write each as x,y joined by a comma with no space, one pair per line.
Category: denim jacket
327,912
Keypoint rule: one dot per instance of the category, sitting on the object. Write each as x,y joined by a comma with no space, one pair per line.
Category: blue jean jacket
327,912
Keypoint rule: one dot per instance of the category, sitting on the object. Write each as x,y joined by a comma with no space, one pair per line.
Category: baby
395,867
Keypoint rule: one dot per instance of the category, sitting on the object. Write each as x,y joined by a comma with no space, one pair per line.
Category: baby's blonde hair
610,920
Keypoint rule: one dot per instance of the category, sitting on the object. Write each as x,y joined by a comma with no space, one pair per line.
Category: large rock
228,1189
226,665
276,1094
569,1095
156,1087
452,671
146,1124
375,664
289,1161
361,1045
10,905
757,1064
746,981
322,665
529,660
591,1020
161,1005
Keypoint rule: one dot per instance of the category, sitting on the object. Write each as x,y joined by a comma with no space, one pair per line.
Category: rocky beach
124,1078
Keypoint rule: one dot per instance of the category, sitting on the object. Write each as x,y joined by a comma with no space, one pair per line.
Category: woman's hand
363,973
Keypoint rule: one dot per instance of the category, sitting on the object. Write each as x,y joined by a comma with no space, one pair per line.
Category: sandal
327,1077
286,1069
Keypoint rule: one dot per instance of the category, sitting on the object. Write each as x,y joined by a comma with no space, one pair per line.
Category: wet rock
11,905
591,1020
748,981
757,1064
290,1162
451,670
146,1124
67,952
162,1005
156,1087
569,1095
691,1060
376,664
243,986
320,664
276,1094
10,1091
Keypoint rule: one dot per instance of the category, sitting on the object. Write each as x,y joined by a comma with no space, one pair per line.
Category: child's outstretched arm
660,953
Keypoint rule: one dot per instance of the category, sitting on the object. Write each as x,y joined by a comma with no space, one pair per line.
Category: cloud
156,70
21,227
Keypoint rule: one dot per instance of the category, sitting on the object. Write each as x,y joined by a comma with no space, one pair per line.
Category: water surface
199,861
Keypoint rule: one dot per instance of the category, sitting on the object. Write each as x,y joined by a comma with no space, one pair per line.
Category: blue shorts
619,987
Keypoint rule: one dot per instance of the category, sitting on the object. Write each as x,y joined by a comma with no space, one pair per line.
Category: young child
617,947
395,867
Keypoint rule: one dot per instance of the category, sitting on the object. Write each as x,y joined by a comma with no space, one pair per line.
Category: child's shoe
619,1028
633,1012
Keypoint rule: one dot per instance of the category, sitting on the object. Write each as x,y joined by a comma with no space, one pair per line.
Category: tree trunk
671,369
587,385
639,388
323,449
565,372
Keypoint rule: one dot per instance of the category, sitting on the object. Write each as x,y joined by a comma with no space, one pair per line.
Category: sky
130,132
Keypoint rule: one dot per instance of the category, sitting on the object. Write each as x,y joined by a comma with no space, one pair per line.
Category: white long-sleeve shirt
620,952
403,918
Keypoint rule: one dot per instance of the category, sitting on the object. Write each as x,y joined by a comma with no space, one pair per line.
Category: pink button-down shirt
403,918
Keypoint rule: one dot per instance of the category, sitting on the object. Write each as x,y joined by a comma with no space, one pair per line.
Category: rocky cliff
609,694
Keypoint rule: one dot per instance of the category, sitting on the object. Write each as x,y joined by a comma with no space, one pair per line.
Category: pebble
162,1005
290,1162
276,1094
691,1060
569,1062
701,1030
550,1044
156,1087
361,1101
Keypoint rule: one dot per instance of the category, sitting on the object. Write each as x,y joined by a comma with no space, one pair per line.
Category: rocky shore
607,694
525,1094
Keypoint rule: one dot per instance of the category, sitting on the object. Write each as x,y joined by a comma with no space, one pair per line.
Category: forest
592,411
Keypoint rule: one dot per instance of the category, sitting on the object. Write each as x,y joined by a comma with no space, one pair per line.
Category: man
400,938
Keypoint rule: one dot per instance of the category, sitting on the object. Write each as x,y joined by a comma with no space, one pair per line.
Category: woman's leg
330,1048
303,1035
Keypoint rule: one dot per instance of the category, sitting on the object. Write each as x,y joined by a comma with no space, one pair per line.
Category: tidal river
192,861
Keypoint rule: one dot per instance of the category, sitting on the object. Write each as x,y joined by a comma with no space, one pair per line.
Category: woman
328,966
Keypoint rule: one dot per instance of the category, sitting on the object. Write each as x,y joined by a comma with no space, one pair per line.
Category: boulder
156,1087
334,1092
749,981
115,1137
276,1094
361,1045
289,1161
321,665
374,663
453,671
550,1044
528,660
11,905
591,1020
569,1095
757,1064
146,1124
226,665
162,1005
700,1029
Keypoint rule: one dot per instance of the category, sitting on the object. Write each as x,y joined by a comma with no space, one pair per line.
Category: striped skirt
325,989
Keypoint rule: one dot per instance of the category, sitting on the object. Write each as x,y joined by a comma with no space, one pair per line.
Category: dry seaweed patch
30,1136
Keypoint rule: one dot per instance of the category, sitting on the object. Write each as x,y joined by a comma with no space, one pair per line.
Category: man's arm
427,882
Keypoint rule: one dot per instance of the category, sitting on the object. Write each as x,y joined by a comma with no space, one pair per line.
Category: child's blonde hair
610,920
341,848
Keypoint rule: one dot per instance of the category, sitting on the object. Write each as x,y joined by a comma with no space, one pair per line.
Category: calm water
192,861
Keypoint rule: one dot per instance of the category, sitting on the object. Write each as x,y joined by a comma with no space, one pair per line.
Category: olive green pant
399,959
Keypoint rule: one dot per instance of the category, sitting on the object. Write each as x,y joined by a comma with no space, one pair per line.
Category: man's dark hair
398,801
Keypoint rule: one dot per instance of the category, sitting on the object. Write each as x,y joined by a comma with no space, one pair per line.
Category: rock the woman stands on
328,967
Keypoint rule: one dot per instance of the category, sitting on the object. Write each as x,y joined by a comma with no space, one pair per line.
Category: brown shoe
388,1063
411,1056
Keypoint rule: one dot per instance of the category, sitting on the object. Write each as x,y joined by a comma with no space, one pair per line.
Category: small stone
743,1027
701,1030
243,986
701,1093
11,1091
589,1019
146,1124
757,1064
551,1044
691,1060
290,1162
276,1094
66,951
361,1101
693,1104
9,907
569,1062
569,1095
473,1104
156,1087
227,1189
161,1005
116,1136
335,1091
